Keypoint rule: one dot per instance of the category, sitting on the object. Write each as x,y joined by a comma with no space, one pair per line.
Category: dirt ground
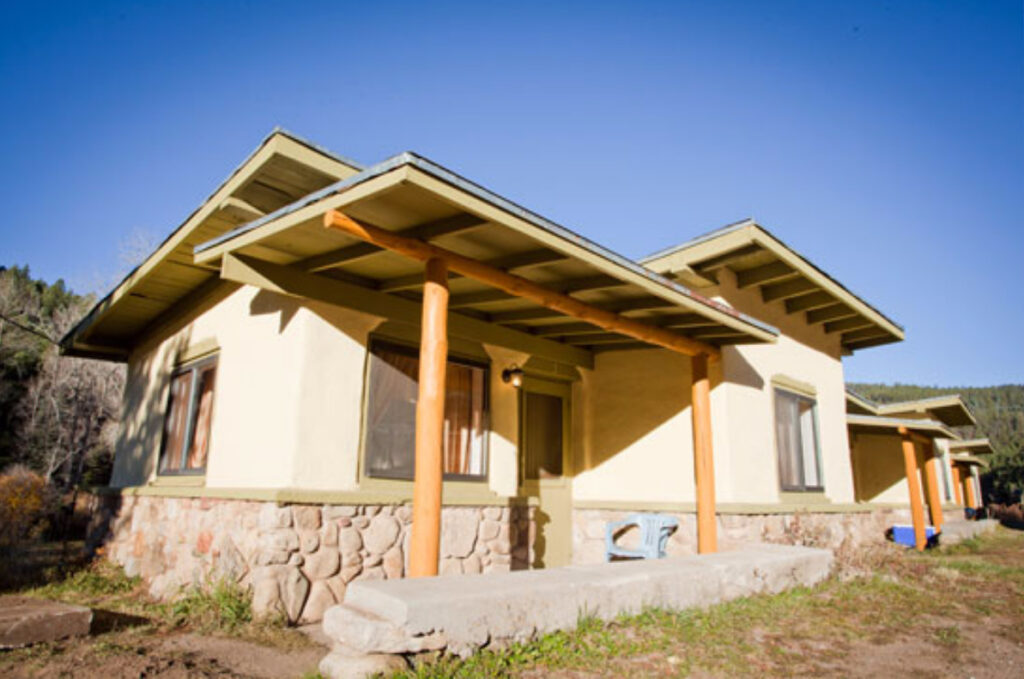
953,613
168,656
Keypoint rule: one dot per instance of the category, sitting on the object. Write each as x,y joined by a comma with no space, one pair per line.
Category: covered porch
447,260
891,451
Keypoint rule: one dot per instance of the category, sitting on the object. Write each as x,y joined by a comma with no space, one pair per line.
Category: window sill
179,481
804,497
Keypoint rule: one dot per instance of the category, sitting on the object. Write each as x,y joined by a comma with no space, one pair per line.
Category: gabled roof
949,409
758,258
415,197
283,168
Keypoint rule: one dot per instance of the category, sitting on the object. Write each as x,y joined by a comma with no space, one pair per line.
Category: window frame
778,389
193,368
412,350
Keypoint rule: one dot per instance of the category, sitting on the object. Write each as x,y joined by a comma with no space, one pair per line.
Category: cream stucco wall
289,395
290,390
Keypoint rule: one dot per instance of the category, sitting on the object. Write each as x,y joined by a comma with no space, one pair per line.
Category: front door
544,467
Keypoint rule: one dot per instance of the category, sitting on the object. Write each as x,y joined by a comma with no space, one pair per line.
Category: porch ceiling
416,198
760,260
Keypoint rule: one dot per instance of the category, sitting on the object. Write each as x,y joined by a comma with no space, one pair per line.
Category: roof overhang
283,168
416,198
874,424
979,446
969,460
949,409
759,259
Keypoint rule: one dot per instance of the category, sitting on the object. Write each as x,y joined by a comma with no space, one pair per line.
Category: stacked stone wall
296,559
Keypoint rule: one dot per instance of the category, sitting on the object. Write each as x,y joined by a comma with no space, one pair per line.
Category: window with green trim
186,439
392,392
796,440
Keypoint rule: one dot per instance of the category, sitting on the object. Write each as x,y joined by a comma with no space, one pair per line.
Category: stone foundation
296,559
833,531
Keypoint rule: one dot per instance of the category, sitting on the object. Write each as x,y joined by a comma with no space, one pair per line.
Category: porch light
513,376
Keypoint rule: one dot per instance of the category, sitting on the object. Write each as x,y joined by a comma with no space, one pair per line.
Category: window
391,415
186,443
796,438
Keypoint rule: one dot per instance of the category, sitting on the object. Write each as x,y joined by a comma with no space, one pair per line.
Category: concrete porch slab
25,621
464,613
958,530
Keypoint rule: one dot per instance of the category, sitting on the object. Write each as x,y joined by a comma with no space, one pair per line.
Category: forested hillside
57,414
1000,414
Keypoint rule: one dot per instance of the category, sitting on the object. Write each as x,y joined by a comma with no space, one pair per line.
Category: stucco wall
288,405
289,396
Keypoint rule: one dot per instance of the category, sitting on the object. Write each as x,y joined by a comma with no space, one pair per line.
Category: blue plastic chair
654,532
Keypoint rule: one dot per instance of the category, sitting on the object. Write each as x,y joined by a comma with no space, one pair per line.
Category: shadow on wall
145,402
878,466
632,394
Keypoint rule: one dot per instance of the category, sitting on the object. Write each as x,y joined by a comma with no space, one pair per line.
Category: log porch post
424,544
969,485
931,464
914,486
703,459
958,488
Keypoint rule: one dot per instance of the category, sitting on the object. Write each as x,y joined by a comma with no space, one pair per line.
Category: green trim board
736,508
392,496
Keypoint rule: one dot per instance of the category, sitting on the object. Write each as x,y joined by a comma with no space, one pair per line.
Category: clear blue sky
885,141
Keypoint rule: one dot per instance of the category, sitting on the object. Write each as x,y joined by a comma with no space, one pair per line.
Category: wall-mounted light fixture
513,376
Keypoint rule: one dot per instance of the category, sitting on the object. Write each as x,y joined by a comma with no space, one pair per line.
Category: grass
217,608
799,631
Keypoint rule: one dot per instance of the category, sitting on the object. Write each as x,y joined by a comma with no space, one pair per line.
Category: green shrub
23,506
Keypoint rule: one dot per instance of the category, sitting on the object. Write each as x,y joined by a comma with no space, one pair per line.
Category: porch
448,261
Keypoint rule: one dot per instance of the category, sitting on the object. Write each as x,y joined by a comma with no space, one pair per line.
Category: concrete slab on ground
25,621
958,530
466,612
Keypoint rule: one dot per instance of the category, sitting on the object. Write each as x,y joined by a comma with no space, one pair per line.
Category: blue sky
884,141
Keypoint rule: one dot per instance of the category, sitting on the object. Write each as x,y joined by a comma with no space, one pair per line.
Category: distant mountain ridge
1000,414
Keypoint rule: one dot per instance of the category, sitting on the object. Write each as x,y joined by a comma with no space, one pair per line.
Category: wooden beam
958,491
914,486
931,477
481,297
597,338
518,286
814,300
425,541
864,344
518,261
854,323
703,457
863,334
726,258
766,273
562,329
830,312
777,291
434,229
288,281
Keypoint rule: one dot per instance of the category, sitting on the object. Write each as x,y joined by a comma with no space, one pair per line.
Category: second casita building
272,378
